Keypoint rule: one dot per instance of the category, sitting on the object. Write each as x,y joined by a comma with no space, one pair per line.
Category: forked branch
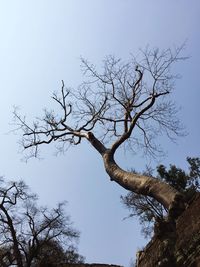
126,101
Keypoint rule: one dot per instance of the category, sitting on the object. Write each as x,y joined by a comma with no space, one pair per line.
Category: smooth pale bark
168,196
140,184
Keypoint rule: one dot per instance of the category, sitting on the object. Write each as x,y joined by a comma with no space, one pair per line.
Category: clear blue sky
41,43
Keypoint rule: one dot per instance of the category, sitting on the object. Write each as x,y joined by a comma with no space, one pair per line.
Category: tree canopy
127,103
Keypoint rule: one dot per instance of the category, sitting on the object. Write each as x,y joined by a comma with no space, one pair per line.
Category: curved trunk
168,196
149,186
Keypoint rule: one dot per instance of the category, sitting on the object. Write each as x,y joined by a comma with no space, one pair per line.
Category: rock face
186,242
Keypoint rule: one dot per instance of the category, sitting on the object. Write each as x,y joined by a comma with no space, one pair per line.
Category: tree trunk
16,250
169,197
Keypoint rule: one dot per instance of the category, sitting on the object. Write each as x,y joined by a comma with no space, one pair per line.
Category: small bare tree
124,104
9,196
26,229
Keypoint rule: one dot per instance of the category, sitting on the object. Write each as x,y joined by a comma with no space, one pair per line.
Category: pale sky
41,44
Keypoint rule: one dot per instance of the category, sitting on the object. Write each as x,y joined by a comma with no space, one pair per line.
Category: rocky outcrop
184,243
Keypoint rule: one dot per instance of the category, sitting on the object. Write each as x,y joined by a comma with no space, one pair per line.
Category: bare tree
25,228
9,195
127,103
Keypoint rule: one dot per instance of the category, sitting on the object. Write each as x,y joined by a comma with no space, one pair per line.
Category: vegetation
148,209
127,105
29,233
